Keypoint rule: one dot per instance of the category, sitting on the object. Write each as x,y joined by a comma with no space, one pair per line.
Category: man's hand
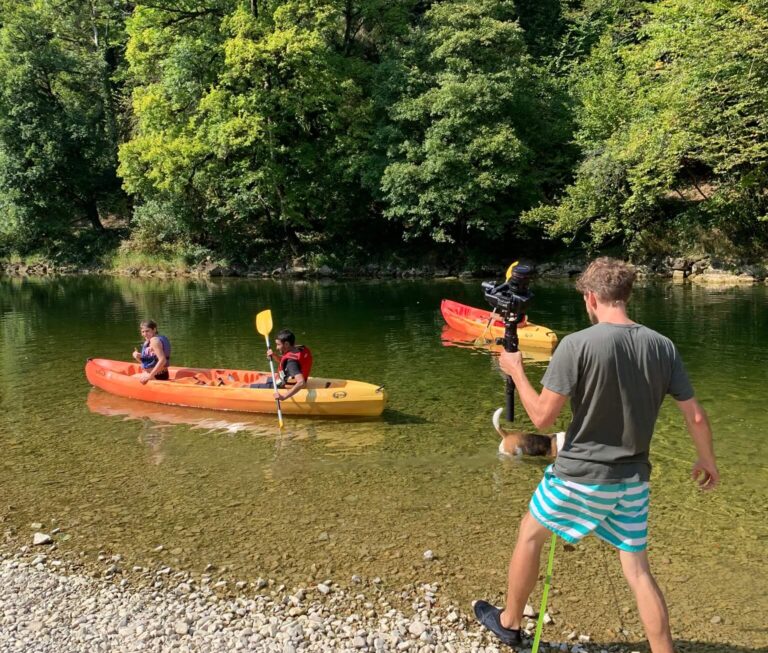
705,473
511,363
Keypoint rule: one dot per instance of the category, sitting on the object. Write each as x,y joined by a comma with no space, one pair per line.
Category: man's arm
300,383
543,408
704,470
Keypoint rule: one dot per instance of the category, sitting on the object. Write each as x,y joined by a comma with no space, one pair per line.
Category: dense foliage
348,129
670,105
58,119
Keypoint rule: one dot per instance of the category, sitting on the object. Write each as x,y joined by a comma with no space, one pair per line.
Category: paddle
264,327
481,341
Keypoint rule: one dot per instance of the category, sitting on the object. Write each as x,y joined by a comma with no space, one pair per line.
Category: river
329,498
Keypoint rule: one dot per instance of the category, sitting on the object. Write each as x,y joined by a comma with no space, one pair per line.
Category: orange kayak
474,322
225,389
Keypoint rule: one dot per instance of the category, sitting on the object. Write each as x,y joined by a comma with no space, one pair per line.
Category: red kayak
475,323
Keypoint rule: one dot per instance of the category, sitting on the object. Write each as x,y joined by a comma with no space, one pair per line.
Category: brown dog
518,443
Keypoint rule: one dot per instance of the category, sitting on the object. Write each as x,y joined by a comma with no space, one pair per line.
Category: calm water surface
332,498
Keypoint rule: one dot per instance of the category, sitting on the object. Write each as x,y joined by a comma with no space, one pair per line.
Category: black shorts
262,386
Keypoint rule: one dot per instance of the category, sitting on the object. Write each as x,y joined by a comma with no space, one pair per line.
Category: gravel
45,607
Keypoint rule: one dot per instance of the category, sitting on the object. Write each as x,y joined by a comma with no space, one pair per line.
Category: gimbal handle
511,343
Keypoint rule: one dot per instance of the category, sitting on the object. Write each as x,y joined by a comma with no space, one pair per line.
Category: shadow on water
394,416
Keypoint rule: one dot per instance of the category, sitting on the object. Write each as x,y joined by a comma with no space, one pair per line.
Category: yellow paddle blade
509,270
264,322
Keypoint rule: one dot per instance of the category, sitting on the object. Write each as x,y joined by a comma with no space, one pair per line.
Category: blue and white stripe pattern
616,513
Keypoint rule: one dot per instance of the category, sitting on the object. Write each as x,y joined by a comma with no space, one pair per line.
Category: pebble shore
45,607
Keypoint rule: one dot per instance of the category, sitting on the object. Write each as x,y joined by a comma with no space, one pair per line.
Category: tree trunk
92,211
290,234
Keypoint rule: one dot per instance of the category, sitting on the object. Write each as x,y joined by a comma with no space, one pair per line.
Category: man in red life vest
294,364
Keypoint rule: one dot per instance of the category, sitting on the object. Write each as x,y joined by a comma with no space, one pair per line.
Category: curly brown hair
609,278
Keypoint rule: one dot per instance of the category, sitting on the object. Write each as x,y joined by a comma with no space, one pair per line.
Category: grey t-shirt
616,376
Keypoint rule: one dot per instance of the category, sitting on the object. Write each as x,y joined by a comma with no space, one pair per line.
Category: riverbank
48,606
704,269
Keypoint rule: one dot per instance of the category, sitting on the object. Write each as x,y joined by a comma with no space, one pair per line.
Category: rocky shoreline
46,605
706,270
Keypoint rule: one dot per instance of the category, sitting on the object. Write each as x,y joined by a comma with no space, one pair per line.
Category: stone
41,538
528,611
722,278
416,628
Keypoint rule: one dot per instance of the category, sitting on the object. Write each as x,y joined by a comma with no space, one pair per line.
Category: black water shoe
490,616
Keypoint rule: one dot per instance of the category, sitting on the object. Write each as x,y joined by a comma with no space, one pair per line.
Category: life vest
303,356
148,358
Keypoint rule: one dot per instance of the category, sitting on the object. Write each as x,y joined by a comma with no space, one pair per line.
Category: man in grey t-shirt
616,374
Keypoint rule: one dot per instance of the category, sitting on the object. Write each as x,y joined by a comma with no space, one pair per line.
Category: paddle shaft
487,326
274,383
547,583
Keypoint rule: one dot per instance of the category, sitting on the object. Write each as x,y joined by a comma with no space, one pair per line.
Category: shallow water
331,498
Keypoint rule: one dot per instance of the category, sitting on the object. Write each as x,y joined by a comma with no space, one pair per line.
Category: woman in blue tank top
155,354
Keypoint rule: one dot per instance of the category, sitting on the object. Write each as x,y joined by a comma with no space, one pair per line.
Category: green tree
252,121
476,129
671,105
58,128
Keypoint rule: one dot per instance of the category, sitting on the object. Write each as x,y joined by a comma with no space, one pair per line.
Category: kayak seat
187,380
225,378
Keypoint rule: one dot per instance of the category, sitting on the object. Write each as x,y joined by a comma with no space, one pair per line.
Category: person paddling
155,354
294,365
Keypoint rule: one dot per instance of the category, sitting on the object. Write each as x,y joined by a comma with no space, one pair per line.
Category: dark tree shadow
392,416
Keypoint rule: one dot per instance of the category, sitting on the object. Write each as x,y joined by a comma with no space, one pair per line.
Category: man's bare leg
523,569
650,600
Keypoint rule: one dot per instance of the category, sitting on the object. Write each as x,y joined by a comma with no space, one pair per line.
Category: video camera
510,298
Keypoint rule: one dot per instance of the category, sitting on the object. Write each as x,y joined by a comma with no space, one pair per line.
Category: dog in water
519,443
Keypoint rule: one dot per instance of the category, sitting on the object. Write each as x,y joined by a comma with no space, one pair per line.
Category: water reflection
450,337
346,435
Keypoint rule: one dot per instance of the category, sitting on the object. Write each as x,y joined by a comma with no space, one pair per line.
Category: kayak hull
228,389
474,322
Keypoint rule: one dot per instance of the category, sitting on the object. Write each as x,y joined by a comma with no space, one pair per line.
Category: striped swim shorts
616,513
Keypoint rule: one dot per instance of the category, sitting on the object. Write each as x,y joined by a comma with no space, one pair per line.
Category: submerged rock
41,538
